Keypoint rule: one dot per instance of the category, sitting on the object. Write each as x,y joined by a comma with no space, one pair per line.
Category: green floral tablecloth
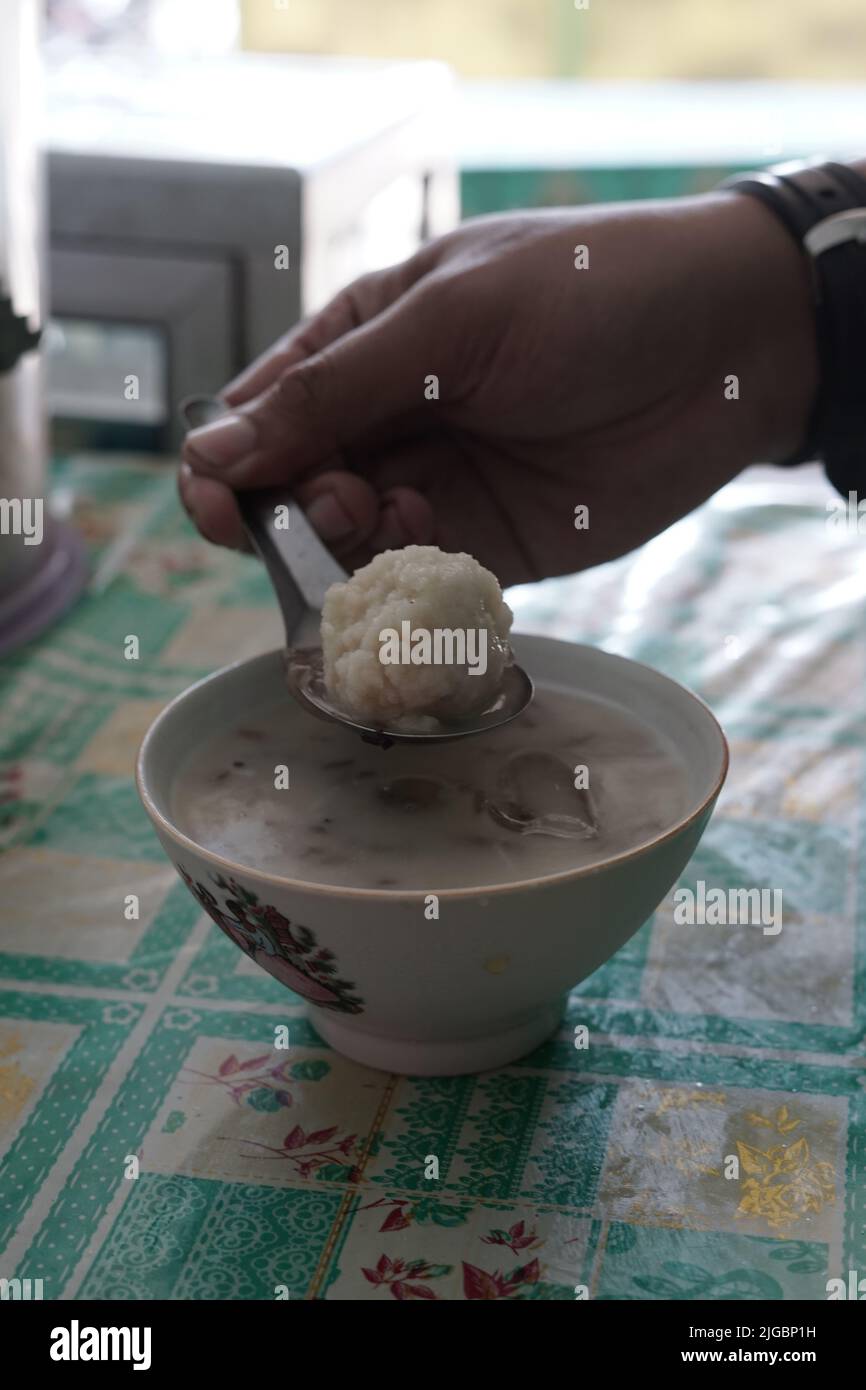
150,1039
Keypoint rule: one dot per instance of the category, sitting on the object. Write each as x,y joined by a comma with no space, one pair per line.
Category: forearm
778,366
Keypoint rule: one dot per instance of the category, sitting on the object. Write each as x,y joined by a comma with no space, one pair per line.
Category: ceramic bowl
485,983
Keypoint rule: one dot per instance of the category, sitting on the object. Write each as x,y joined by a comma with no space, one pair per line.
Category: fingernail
225,441
328,517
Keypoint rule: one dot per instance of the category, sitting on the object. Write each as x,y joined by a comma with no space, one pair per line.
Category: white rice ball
431,591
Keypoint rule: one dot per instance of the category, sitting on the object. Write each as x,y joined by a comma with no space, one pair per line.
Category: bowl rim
326,890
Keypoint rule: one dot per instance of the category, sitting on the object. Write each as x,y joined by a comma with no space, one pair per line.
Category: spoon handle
300,568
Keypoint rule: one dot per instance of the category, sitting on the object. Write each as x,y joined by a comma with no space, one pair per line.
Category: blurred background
188,138
507,38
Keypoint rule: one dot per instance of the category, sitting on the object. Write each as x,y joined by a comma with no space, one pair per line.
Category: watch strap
823,207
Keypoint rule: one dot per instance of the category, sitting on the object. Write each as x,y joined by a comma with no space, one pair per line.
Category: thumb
360,382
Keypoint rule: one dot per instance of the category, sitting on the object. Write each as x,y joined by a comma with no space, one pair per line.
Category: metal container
41,563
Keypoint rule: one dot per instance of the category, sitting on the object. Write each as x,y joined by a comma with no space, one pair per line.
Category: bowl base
451,1057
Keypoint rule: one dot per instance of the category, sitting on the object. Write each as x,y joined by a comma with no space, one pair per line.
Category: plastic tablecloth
710,1142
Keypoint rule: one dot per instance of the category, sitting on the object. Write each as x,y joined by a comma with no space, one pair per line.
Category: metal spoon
301,571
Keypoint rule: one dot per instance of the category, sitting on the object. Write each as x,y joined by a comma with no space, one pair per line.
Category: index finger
264,370
353,306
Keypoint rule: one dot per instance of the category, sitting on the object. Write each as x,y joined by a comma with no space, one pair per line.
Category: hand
556,387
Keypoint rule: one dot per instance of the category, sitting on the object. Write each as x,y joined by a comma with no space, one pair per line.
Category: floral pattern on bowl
287,950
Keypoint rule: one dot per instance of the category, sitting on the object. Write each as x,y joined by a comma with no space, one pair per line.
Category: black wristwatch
823,206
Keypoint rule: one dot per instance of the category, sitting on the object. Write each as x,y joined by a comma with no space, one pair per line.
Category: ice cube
534,794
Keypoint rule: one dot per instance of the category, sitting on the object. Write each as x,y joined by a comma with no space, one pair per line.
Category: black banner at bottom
267,1338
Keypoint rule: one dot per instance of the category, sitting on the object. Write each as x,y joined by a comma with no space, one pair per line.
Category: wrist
778,327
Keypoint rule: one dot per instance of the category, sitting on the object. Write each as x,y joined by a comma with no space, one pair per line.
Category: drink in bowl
434,904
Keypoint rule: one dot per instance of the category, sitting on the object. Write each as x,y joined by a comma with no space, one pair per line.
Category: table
143,1046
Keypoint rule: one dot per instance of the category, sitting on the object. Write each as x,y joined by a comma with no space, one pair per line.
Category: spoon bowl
306,682
301,570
